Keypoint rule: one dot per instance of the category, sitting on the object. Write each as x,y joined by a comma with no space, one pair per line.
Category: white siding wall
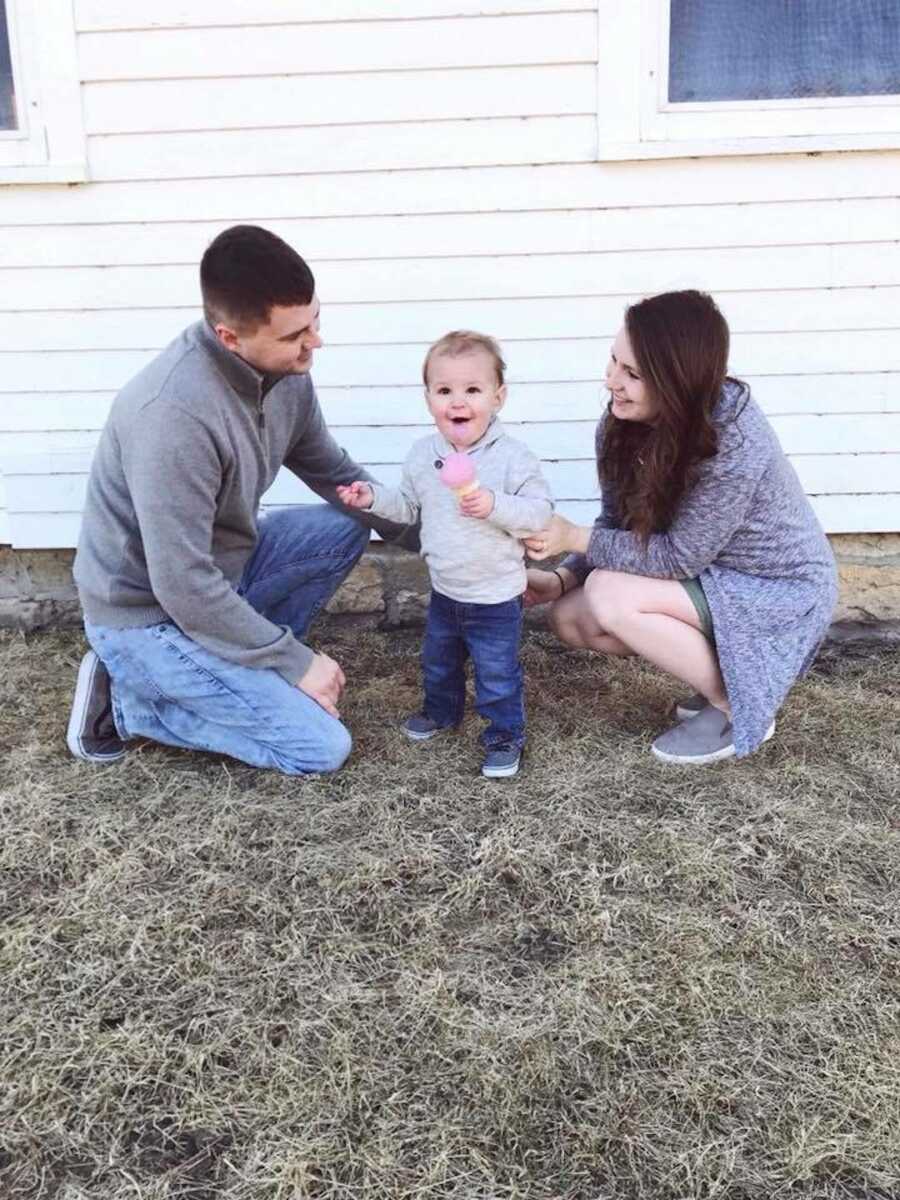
435,162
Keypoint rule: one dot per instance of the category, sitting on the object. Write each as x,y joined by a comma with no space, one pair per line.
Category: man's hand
479,503
324,681
355,495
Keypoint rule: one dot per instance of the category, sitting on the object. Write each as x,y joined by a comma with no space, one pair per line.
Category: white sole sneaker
78,730
416,735
502,773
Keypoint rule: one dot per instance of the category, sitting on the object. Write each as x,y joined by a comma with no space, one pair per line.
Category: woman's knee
564,626
610,596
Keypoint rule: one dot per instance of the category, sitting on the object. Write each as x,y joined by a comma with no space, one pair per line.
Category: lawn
607,979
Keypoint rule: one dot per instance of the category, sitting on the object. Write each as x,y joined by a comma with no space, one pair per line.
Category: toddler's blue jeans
167,687
490,634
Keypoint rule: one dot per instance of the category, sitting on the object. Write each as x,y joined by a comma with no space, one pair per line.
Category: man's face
463,395
283,345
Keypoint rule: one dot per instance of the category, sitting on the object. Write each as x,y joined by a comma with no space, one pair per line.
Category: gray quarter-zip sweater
189,448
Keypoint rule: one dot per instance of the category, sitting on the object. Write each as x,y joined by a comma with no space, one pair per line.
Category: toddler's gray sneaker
92,733
419,728
705,738
501,762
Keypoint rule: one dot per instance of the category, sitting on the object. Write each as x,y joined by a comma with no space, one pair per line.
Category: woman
707,558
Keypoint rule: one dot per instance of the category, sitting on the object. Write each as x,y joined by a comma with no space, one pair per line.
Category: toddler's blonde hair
464,341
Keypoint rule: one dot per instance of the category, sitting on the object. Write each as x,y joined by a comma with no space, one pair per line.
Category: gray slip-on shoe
707,737
92,733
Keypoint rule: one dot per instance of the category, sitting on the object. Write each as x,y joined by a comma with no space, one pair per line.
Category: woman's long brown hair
680,343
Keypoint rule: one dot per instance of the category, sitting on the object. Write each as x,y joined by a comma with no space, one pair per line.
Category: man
195,610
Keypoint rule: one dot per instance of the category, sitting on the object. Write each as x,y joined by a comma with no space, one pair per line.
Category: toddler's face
463,395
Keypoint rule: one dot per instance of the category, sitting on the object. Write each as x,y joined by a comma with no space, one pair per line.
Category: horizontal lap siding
324,47
348,324
485,235
43,503
435,161
185,105
570,480
376,281
98,15
557,187
58,415
398,365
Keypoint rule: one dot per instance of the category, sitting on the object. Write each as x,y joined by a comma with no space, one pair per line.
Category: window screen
7,91
783,49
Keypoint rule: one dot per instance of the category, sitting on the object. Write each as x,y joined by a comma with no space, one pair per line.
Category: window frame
635,119
49,145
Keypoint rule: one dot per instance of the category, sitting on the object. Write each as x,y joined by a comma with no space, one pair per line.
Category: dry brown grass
604,980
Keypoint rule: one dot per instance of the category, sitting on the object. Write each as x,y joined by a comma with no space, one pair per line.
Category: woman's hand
541,587
560,537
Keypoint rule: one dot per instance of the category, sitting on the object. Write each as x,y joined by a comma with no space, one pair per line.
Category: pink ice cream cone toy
458,473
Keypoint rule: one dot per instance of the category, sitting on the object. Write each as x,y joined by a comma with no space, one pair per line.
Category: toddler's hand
479,503
355,495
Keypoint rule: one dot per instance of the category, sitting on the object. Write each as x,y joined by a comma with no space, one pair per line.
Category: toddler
469,539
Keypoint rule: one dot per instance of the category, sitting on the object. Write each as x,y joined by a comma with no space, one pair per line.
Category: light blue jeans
167,687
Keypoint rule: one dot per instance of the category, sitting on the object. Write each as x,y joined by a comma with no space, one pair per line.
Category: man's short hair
246,271
465,341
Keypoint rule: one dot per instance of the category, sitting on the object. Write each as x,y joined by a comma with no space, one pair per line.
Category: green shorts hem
694,589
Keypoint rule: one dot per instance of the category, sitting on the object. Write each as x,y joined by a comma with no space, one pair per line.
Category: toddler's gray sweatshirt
472,559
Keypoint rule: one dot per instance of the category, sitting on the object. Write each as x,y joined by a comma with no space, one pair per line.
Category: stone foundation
36,589
390,587
869,569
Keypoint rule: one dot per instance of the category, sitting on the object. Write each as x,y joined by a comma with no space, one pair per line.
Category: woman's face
630,400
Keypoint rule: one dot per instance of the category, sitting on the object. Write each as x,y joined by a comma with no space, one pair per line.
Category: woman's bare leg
574,623
656,619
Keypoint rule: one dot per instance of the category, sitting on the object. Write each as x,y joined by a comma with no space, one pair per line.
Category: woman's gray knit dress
747,531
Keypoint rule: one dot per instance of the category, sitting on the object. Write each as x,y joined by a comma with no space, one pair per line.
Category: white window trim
636,121
49,147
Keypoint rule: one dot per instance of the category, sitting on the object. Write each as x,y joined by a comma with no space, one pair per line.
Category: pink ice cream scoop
458,473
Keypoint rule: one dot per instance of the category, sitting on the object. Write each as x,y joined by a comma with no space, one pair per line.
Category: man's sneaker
705,738
92,733
690,706
501,761
419,727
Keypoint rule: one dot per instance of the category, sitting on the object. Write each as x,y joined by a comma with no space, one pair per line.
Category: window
8,116
41,134
690,77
